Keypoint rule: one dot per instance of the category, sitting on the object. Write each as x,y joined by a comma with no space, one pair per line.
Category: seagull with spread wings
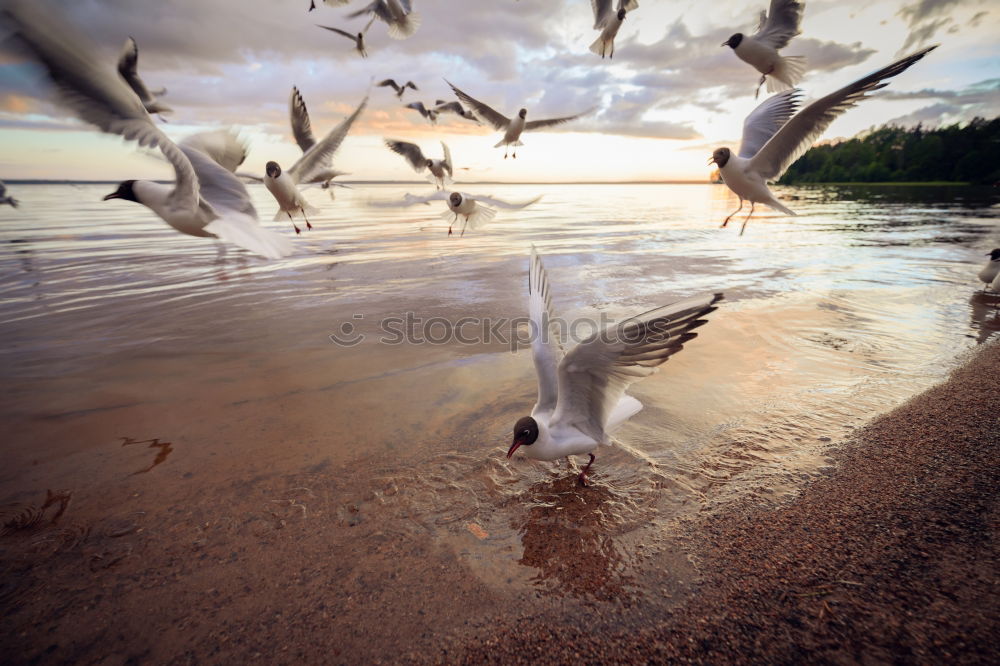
400,89
312,167
609,21
512,128
359,39
581,393
475,208
776,29
206,199
773,138
397,14
442,106
429,114
128,67
441,171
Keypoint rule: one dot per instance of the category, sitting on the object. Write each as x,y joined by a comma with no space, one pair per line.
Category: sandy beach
890,559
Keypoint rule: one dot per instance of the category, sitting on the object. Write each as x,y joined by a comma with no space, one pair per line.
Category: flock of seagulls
581,392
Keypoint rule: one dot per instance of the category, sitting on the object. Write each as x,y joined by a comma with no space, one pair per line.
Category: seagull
760,49
128,63
4,198
442,106
400,89
989,275
609,21
397,14
359,40
773,138
205,200
441,170
313,166
471,206
429,114
511,128
581,393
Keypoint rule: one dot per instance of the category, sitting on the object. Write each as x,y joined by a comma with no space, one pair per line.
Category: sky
668,98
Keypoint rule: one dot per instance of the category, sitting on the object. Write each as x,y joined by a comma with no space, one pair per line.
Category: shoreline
892,557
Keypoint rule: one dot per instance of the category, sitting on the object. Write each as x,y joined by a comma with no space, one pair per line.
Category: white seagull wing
628,5
765,121
410,151
594,375
783,21
797,135
550,122
301,126
411,200
498,120
128,67
602,9
500,203
224,147
447,160
546,348
320,155
90,89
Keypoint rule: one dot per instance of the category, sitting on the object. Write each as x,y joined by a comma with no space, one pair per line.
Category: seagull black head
522,113
720,156
125,191
734,41
456,199
994,255
429,163
525,434
621,14
272,169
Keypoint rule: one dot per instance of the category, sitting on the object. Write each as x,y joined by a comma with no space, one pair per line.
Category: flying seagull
441,170
609,20
473,207
128,63
581,393
773,138
302,131
397,14
359,39
5,198
429,114
205,200
400,89
511,128
442,106
312,167
776,29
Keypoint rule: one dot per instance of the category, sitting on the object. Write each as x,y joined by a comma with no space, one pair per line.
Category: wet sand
892,558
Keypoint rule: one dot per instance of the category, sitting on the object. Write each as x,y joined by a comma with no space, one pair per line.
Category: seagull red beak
711,160
513,447
113,195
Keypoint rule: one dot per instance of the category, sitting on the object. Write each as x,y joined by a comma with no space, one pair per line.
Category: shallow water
221,452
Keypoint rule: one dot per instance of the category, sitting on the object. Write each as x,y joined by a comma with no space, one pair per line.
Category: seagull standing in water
988,276
760,49
512,128
359,39
206,199
581,393
128,67
4,198
773,138
441,170
609,21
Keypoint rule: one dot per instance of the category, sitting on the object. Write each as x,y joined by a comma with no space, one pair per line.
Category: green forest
967,154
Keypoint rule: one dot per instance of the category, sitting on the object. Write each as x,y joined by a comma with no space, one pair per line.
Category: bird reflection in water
569,535
985,314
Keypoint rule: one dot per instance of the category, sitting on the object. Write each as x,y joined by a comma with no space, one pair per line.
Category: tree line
954,153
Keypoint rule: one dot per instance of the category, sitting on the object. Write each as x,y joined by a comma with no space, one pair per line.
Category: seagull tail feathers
406,27
787,74
244,231
777,205
626,408
600,46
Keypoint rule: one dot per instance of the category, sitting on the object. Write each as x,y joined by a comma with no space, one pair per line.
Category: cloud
949,106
